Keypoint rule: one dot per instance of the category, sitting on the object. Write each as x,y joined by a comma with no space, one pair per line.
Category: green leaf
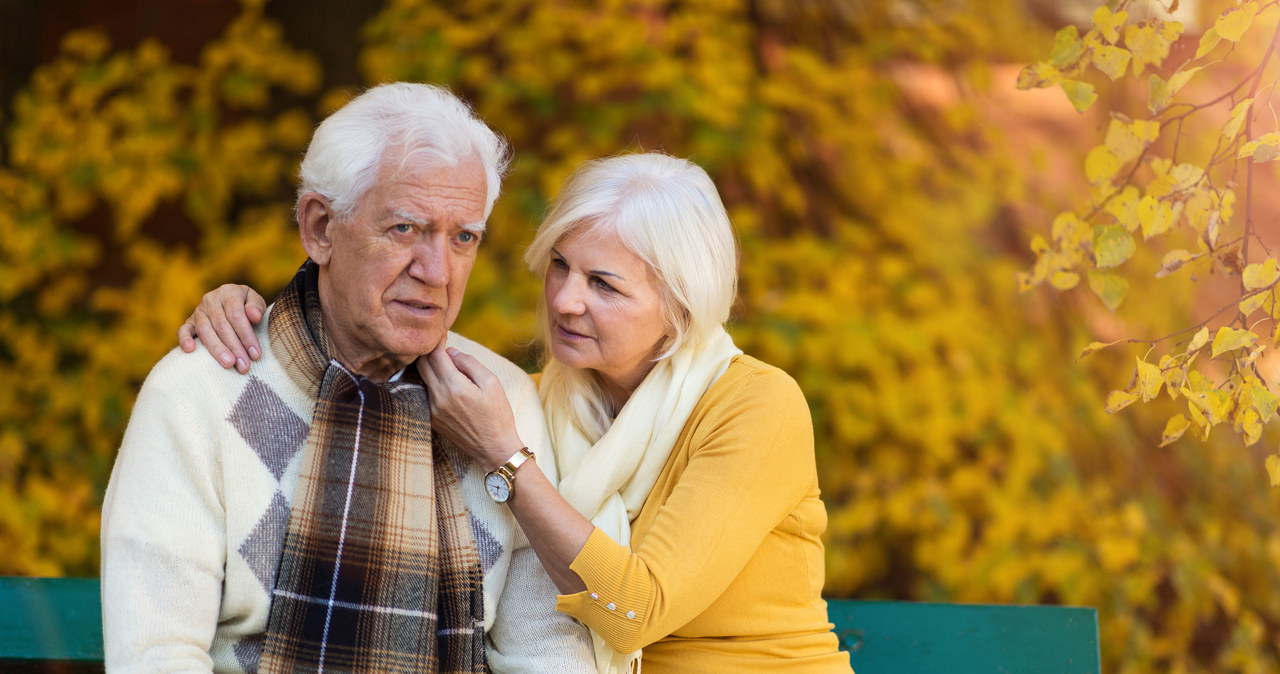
1112,245
1238,113
1260,274
1067,48
1208,41
1161,95
1038,76
1173,261
1109,23
1101,165
1118,400
1112,61
1149,380
1081,94
1174,429
1109,288
1231,339
1232,23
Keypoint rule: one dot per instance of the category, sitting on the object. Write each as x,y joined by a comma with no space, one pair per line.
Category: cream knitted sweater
198,504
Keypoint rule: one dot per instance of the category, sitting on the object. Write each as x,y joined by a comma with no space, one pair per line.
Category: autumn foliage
964,454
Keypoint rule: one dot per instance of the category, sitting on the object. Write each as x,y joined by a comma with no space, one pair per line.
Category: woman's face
604,308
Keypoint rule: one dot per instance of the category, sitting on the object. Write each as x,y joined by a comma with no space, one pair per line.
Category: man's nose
430,263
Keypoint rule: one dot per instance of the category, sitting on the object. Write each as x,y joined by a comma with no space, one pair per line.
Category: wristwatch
501,482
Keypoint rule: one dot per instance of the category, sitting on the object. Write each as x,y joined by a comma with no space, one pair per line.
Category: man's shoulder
510,374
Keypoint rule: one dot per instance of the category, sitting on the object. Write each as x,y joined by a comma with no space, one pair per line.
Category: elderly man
305,517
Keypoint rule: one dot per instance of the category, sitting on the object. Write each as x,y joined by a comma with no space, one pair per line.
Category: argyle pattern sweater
198,504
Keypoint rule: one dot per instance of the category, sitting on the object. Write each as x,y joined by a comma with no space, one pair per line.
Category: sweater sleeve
751,462
163,536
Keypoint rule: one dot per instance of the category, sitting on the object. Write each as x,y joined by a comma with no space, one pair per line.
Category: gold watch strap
509,468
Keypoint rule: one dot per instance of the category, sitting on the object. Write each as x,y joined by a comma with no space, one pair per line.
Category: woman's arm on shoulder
224,322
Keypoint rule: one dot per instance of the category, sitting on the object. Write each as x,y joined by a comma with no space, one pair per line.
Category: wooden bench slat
50,619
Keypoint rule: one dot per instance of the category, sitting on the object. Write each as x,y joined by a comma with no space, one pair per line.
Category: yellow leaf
1181,78
1148,46
1260,274
1109,288
1109,23
1161,95
1231,339
1154,216
1264,148
1093,348
1147,130
1067,47
1124,207
1173,261
1101,165
1208,41
1122,141
1264,401
1174,429
1250,426
1198,342
1149,380
1081,94
1064,280
1273,469
1038,76
1251,304
1118,400
1233,22
1238,113
1112,61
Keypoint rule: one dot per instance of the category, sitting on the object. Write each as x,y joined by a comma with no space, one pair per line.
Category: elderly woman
687,522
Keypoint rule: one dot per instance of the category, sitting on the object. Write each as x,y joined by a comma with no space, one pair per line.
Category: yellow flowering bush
963,456
131,184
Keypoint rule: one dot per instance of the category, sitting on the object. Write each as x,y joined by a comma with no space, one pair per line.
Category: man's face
393,273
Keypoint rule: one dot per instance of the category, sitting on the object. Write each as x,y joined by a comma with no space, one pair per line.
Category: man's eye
403,228
468,237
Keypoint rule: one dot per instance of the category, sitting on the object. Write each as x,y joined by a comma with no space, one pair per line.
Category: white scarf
609,481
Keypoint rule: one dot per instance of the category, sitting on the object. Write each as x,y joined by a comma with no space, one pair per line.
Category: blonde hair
668,213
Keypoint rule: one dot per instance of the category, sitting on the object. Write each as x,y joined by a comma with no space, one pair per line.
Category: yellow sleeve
752,463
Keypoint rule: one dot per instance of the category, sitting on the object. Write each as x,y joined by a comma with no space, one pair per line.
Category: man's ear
315,222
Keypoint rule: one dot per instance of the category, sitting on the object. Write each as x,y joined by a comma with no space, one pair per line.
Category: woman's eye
559,263
602,285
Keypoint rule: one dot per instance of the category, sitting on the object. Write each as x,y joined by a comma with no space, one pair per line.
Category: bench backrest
55,624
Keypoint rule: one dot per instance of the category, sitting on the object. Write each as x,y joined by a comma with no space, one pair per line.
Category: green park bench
55,625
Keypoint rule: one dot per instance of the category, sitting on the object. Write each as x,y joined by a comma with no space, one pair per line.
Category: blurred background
885,179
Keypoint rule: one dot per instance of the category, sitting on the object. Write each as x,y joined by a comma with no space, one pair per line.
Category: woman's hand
224,321
469,407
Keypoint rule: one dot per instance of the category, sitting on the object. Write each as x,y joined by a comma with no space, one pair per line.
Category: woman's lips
568,334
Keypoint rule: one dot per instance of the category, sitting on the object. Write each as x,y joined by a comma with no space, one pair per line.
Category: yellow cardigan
727,569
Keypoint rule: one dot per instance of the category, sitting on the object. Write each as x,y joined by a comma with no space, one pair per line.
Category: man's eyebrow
405,216
597,272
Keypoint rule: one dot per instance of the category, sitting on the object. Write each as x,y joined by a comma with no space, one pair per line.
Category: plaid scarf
380,570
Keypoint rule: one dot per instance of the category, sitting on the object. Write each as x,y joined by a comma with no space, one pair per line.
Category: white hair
416,122
668,213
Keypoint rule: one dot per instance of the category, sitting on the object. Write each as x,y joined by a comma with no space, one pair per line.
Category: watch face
498,487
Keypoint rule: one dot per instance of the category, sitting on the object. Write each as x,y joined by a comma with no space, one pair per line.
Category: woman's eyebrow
597,272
